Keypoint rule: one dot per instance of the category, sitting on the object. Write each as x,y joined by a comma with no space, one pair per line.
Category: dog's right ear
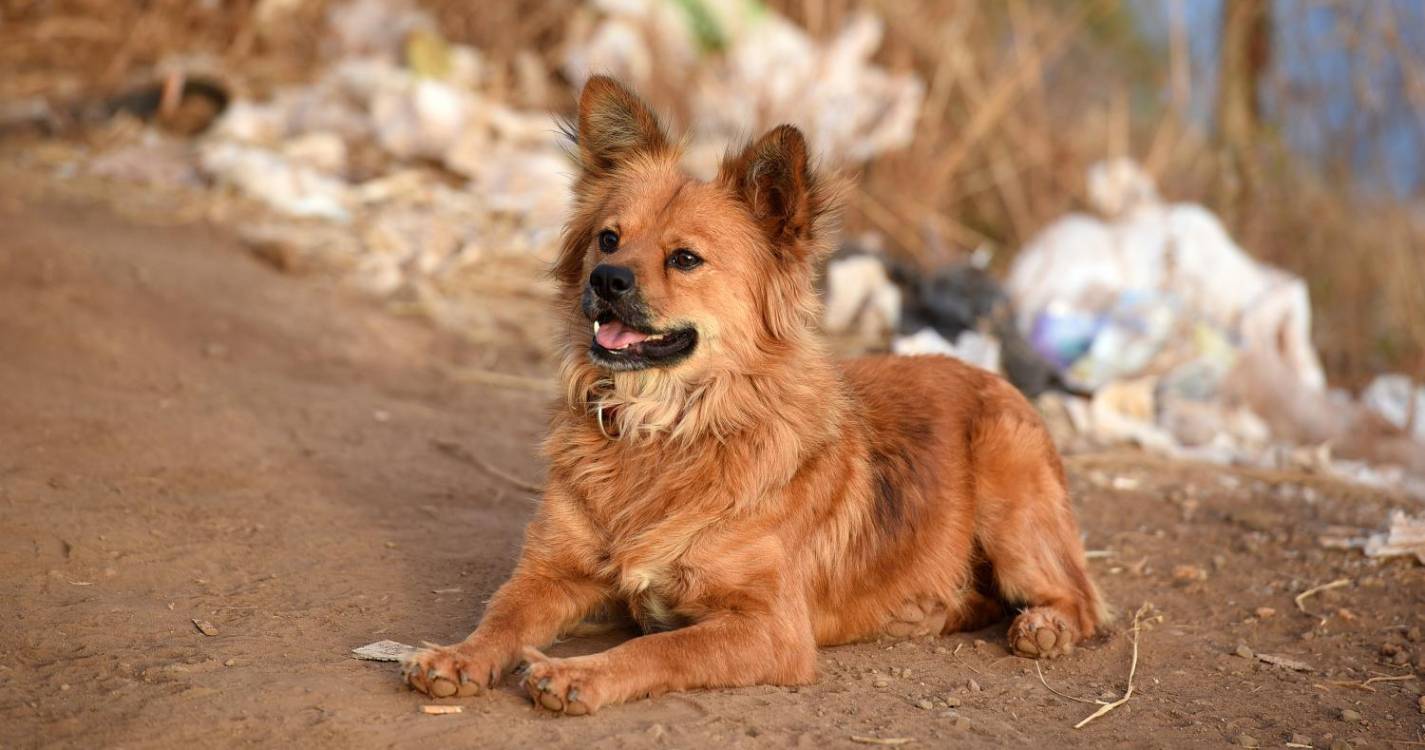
614,124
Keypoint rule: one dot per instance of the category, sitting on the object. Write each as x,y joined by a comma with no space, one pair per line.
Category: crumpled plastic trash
1127,338
383,128
860,297
963,298
957,310
767,71
970,347
1080,266
1158,293
1396,398
374,27
267,176
1404,536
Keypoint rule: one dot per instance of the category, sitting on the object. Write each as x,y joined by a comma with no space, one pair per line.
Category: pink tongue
614,335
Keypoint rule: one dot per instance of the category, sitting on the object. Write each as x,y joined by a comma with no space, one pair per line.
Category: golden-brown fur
757,499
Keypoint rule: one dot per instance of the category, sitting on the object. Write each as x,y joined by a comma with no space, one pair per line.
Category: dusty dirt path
186,434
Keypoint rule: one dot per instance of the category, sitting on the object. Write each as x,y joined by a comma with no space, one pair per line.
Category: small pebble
230,663
883,682
1247,740
962,724
924,704
205,627
1421,702
1300,739
1244,652
941,650
64,686
950,715
1186,574
1266,613
1350,714
974,686
954,702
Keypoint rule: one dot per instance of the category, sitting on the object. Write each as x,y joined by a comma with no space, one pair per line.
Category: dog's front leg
727,649
549,591
530,609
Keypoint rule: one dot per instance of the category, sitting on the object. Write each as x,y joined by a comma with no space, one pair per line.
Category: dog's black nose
611,282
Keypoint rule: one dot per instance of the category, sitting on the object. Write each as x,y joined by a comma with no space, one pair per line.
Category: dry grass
1022,97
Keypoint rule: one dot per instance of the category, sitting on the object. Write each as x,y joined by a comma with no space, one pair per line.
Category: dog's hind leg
1026,527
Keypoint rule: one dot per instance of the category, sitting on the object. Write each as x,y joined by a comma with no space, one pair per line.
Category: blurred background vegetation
1298,121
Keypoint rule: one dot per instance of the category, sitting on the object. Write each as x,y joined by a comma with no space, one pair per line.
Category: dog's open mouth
621,346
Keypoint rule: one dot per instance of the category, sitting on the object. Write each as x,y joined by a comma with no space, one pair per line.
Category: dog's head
673,277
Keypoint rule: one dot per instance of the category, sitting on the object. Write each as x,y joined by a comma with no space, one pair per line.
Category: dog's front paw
445,671
569,686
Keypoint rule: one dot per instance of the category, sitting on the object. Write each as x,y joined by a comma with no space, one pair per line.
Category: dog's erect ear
614,124
774,177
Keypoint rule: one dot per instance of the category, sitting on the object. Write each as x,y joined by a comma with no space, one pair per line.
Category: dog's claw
544,684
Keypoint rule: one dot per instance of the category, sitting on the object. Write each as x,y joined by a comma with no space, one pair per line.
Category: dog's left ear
773,176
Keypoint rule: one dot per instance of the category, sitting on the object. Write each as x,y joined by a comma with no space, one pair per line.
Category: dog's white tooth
596,328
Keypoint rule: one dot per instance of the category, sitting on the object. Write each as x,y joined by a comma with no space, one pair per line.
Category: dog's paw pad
1041,633
564,686
914,619
448,672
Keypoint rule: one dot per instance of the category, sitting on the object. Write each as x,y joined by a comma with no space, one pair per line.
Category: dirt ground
187,434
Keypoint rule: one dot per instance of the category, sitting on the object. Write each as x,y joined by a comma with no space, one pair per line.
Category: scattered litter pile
402,163
398,144
1148,325
1405,535
744,68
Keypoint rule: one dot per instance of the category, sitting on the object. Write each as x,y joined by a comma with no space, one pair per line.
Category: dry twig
455,450
1302,597
1056,692
504,380
1366,685
1132,670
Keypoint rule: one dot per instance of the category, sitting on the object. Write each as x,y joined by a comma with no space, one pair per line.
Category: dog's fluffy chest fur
669,522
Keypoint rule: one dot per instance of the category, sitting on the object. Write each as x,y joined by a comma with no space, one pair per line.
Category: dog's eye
608,240
684,259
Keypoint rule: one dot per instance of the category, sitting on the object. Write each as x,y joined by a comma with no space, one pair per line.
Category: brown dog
718,478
